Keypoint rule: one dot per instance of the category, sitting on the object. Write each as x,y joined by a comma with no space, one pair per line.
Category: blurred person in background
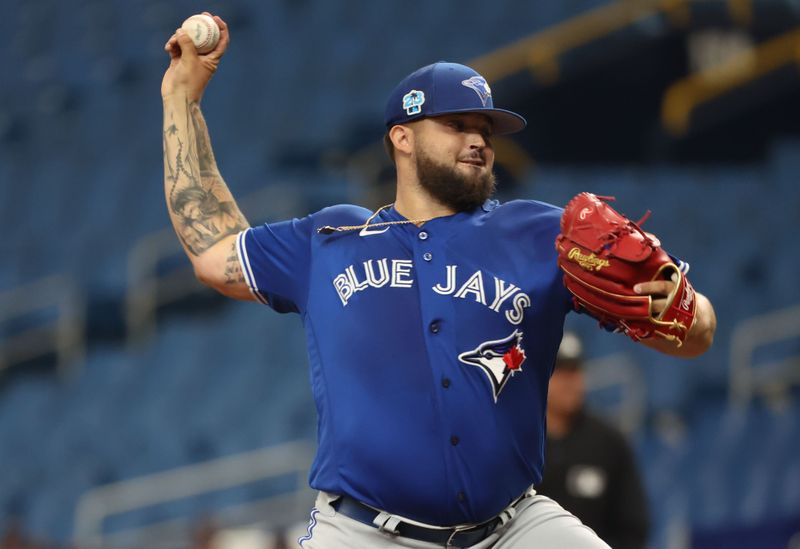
589,467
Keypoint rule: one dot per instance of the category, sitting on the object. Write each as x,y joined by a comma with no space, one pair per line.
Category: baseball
204,32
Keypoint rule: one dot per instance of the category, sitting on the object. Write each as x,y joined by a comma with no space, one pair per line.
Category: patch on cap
413,101
481,87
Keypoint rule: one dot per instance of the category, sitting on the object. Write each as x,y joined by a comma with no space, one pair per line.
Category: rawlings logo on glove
604,255
589,262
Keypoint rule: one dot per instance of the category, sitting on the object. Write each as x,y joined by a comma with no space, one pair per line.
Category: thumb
185,42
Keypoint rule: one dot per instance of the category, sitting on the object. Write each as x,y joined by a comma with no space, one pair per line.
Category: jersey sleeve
545,226
275,260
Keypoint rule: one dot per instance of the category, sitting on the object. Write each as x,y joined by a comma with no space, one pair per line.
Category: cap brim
503,122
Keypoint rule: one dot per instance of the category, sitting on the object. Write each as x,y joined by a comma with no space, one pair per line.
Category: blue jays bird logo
499,360
481,87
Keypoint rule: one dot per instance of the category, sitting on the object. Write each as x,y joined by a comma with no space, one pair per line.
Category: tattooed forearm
205,154
202,208
233,269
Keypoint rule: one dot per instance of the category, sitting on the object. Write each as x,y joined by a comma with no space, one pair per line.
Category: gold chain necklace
327,229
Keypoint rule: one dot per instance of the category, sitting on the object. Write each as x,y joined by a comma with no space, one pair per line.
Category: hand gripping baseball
604,256
188,72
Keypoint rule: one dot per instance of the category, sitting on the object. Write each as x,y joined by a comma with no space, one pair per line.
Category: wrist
179,96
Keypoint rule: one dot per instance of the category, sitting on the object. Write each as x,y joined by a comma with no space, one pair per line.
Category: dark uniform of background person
589,467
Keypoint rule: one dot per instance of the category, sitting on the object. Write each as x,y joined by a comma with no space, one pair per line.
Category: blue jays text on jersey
430,350
398,273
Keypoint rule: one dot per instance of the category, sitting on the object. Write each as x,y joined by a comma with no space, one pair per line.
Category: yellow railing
540,52
685,95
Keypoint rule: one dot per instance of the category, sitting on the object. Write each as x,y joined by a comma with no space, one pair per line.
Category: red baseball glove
604,255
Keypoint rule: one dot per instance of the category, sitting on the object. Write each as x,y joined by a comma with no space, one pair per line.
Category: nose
476,140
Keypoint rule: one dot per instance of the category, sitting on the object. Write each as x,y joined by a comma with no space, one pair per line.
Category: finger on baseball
224,36
655,287
185,43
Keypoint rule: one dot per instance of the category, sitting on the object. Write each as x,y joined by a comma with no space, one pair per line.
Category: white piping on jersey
244,263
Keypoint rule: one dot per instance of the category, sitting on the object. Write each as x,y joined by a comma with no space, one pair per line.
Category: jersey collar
391,214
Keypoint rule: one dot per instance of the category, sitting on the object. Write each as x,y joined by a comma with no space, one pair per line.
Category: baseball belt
454,536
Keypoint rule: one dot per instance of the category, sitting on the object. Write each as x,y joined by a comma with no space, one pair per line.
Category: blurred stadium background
139,410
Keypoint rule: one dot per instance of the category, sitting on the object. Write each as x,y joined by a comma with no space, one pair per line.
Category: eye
456,125
487,354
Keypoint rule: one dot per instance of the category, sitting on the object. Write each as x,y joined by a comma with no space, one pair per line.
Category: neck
419,206
414,202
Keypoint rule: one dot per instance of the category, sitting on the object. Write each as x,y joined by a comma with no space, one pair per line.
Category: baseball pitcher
432,323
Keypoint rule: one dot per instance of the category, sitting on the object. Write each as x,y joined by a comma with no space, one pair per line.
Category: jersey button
446,382
423,235
461,496
434,327
427,256
454,440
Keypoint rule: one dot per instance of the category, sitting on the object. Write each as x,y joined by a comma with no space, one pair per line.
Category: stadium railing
101,504
684,97
42,318
750,377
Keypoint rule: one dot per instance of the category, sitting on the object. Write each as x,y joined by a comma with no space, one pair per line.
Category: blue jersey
430,350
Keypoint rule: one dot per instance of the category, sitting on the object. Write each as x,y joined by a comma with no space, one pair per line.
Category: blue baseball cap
447,88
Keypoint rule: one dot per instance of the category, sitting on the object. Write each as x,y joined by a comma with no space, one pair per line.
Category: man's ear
402,138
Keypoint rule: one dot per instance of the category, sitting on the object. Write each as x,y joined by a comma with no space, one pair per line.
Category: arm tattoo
233,269
202,208
205,155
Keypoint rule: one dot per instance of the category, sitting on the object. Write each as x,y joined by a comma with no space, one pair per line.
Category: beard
449,187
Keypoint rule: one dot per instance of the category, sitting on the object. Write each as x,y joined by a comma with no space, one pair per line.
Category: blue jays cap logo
412,102
481,87
499,360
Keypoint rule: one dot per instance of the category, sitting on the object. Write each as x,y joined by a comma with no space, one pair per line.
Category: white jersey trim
244,263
